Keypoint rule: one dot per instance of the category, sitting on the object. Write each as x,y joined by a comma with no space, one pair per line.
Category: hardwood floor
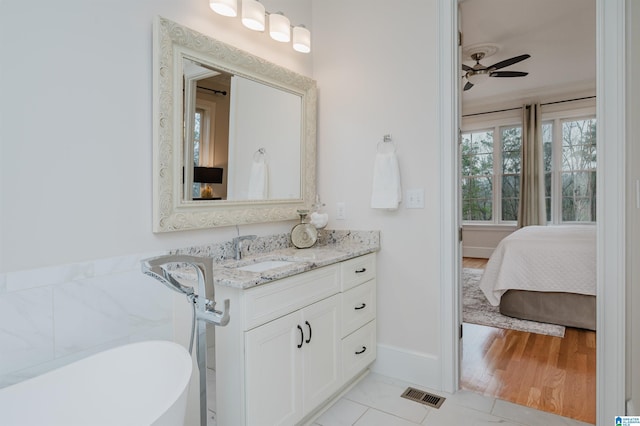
547,373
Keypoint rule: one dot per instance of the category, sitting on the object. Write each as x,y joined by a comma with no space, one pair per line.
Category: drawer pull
308,325
359,271
357,308
364,348
301,336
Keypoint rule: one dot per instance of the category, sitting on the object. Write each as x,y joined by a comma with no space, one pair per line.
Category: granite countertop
332,247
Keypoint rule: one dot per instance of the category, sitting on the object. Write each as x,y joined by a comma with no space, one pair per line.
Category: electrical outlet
415,198
341,211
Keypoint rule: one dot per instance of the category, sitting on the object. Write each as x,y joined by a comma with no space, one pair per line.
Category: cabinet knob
357,308
301,336
359,271
364,348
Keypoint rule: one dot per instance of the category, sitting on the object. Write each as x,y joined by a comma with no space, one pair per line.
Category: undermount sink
265,265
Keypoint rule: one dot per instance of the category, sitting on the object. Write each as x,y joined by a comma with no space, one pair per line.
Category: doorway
610,37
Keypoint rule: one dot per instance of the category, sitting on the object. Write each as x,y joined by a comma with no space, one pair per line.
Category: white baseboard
478,252
411,367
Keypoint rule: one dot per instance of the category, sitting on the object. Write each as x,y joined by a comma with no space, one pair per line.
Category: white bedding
543,258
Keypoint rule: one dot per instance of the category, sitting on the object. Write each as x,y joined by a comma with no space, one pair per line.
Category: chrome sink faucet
237,244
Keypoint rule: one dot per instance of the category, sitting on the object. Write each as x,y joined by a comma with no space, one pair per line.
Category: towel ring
260,154
386,145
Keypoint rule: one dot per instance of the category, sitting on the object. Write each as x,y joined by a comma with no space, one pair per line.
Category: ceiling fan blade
467,86
508,62
508,74
466,67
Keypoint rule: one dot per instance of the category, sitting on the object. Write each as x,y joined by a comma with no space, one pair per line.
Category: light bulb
279,27
224,7
301,39
253,15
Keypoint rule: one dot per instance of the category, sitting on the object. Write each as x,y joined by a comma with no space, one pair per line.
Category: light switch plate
415,198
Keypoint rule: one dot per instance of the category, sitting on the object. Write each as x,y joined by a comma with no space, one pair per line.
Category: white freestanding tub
137,384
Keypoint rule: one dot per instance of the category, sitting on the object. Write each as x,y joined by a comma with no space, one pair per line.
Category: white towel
259,180
387,191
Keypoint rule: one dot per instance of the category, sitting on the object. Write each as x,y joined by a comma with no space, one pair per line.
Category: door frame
610,228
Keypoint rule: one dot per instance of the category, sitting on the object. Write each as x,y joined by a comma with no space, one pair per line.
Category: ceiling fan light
224,7
279,27
253,15
301,39
477,77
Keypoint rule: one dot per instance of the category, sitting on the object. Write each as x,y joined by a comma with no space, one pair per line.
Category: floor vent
423,397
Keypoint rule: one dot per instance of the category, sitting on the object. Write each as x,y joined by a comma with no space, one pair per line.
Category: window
477,171
574,172
491,171
197,126
511,138
481,163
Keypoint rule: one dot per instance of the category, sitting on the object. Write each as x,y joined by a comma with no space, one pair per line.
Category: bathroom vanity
295,339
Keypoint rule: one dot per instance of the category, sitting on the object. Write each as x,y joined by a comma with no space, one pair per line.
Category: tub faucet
204,299
237,244
203,306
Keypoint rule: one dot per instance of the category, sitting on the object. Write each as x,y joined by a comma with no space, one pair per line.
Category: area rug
476,309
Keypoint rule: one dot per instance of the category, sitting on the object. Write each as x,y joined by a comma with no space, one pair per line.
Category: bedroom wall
633,210
480,240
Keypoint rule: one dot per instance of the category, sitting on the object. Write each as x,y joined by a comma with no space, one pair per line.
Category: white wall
480,240
76,123
75,174
374,63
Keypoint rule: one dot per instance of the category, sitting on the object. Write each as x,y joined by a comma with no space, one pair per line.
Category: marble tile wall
52,316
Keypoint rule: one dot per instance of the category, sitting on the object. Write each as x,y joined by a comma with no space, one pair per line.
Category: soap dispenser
304,234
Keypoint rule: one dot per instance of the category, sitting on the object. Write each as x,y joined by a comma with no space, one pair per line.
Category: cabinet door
322,366
274,372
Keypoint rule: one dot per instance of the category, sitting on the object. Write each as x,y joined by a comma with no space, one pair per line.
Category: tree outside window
477,174
511,157
579,171
197,126
491,172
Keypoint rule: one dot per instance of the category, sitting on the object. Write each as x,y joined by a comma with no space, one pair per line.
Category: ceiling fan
478,70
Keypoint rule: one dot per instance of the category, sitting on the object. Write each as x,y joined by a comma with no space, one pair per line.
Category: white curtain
532,203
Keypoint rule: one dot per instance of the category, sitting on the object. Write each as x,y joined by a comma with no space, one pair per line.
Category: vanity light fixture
301,39
253,14
279,27
224,7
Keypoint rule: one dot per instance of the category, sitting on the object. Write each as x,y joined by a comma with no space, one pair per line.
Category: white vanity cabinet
293,364
293,344
358,291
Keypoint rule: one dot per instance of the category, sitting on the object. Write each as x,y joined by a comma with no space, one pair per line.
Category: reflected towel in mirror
259,179
387,191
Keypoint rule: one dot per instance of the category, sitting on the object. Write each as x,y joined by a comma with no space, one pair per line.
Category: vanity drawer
358,306
358,350
270,301
357,271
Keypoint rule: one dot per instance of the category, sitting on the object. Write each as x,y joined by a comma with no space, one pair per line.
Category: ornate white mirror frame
170,211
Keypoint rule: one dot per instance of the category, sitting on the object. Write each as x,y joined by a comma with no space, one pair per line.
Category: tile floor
376,401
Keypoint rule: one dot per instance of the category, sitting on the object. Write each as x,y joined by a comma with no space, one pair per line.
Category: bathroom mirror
234,135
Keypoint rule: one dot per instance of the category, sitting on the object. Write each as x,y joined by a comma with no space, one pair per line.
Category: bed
545,274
